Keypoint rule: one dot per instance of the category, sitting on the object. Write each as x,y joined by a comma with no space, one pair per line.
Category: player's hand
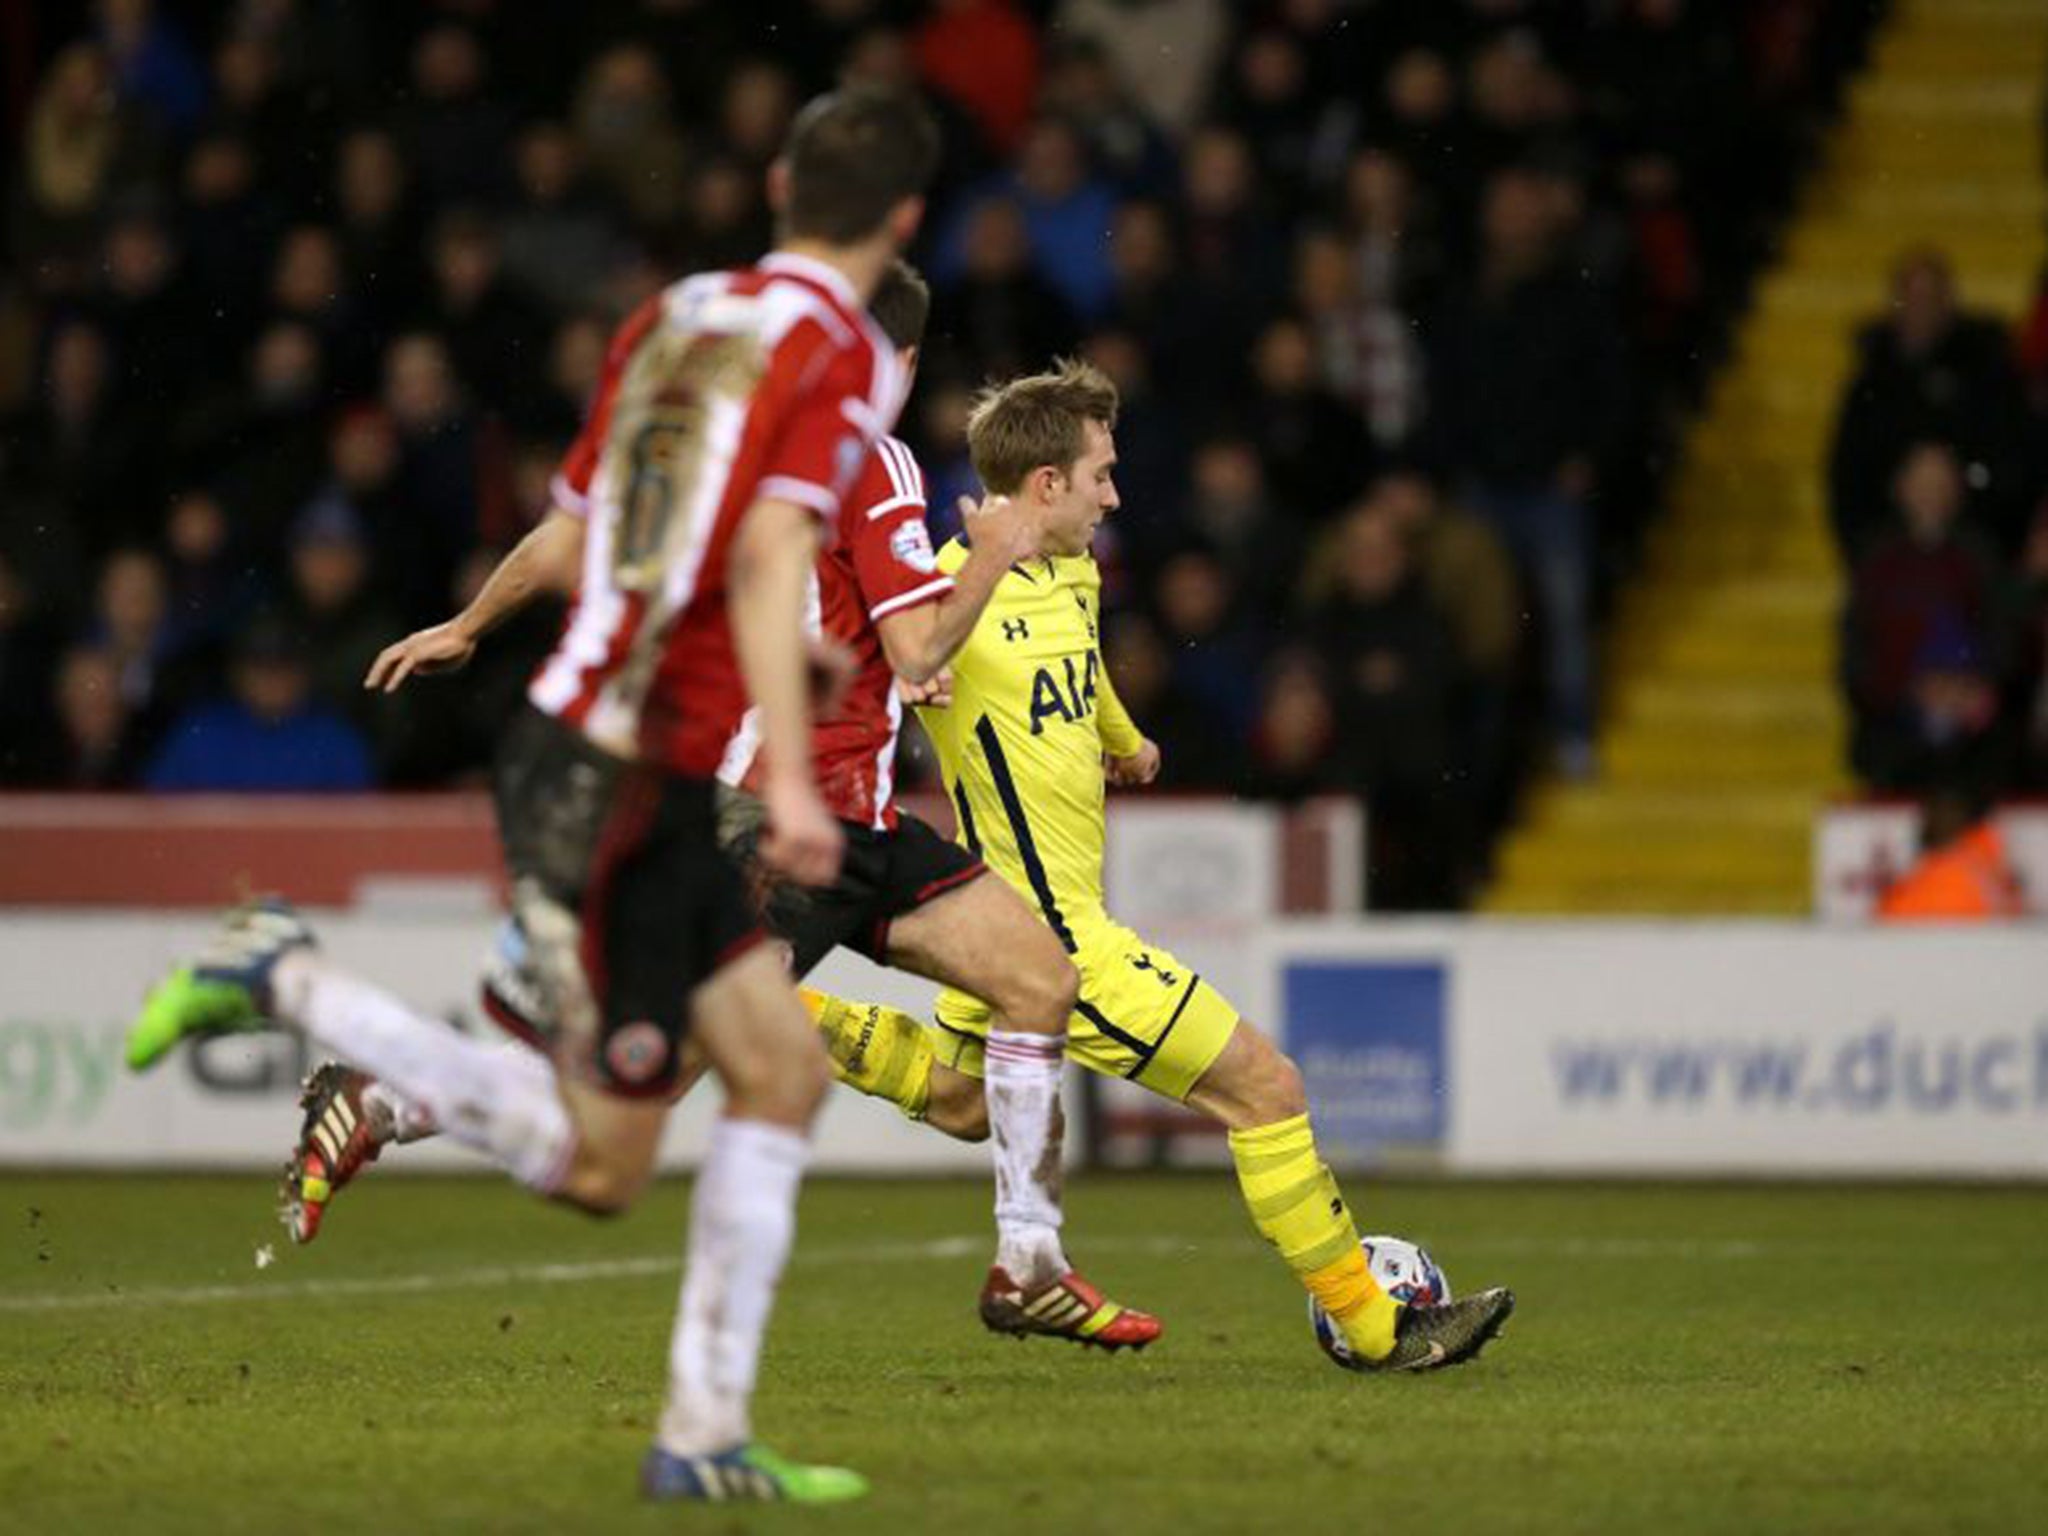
801,841
935,692
1141,767
441,648
830,668
1004,525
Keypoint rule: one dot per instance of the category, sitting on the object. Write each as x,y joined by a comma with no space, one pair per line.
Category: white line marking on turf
579,1272
458,1279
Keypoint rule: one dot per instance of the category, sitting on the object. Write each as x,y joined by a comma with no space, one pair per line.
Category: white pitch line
560,1273
457,1279
576,1273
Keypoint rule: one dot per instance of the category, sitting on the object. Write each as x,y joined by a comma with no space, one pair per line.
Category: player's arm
772,556
547,561
920,641
1129,756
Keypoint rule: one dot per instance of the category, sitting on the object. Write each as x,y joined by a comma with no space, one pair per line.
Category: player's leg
977,935
1165,1028
887,1054
757,1038
1255,1091
563,1140
885,877
874,1049
263,967
350,1117
982,939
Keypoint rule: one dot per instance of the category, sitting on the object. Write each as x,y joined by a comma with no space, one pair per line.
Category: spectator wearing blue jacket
267,736
1068,214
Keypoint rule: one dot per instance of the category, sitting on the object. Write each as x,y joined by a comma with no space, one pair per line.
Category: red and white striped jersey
725,389
881,563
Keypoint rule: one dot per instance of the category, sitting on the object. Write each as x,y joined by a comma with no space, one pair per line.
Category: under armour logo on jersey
1016,629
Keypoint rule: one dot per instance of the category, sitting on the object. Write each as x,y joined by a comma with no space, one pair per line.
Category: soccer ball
1404,1271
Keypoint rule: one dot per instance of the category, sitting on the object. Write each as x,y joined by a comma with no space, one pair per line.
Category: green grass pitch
451,1355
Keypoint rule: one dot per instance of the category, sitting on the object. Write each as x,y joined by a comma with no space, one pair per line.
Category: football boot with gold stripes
1066,1308
750,1473
338,1137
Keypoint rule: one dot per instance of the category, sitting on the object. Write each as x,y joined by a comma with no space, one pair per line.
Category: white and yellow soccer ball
1405,1272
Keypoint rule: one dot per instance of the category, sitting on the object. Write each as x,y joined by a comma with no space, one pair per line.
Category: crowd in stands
301,299
1938,491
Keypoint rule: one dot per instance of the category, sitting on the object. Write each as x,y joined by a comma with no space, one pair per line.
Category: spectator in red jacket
983,55
1916,658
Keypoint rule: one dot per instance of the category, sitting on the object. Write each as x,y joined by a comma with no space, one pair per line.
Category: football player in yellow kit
1032,734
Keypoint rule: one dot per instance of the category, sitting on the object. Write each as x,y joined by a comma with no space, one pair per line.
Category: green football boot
747,1473
226,989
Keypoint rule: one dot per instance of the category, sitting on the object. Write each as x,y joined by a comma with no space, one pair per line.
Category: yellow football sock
1295,1204
881,1051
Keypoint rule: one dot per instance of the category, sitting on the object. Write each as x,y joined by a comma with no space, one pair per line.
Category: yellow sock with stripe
881,1051
1297,1208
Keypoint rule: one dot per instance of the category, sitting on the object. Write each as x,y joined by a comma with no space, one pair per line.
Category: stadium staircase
1724,733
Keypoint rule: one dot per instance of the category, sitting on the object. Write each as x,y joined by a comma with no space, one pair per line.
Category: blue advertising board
1369,1037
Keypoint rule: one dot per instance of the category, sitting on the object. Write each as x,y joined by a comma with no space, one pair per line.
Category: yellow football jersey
1021,744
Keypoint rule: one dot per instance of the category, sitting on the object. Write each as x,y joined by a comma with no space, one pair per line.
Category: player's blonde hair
1038,420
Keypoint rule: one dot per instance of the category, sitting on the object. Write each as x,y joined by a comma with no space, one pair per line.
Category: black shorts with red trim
884,875
632,855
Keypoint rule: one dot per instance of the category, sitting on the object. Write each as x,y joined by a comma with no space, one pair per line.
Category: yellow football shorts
1143,1015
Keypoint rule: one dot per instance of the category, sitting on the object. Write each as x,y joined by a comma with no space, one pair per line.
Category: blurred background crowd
1936,496
301,299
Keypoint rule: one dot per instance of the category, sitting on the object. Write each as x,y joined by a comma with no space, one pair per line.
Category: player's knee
1252,1083
1042,991
1281,1093
601,1186
1064,985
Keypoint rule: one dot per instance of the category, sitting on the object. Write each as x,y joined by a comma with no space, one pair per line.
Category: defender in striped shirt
739,407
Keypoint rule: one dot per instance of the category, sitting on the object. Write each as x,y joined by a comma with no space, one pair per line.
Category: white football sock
394,1117
403,1120
484,1096
1027,1127
742,1222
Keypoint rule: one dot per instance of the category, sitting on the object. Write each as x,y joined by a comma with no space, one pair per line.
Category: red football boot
336,1140
1066,1308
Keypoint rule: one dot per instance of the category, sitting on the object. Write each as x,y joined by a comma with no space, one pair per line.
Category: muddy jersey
726,389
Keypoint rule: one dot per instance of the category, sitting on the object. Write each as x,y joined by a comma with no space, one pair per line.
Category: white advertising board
1173,861
1673,1048
1768,1049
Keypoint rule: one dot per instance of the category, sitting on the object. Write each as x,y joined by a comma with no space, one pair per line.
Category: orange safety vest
1969,880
